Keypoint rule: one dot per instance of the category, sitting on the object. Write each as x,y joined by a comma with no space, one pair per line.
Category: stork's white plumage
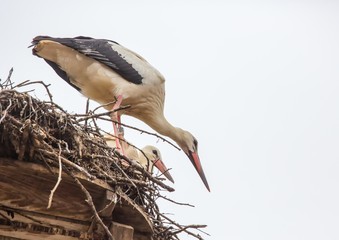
149,157
105,71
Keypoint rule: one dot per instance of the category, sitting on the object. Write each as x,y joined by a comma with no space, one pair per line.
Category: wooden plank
121,231
107,205
26,186
23,216
27,235
124,214
24,228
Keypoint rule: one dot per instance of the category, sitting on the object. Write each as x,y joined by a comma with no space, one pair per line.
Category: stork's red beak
194,157
163,169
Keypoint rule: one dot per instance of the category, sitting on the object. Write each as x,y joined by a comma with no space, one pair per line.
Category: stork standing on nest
107,72
149,157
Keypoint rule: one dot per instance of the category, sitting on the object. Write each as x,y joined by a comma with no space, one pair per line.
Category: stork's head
189,144
154,156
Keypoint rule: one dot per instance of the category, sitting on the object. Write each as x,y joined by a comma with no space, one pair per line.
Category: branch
58,181
5,112
184,229
29,82
86,116
160,183
141,131
8,81
68,163
170,200
90,203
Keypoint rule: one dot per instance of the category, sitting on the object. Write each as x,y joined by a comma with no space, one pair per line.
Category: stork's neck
162,126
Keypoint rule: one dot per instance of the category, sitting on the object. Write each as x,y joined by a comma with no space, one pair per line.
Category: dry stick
121,139
170,200
104,105
141,131
90,203
87,110
160,183
29,82
138,167
58,181
99,114
120,169
10,75
114,181
119,180
57,106
130,144
8,81
139,183
184,229
67,162
5,112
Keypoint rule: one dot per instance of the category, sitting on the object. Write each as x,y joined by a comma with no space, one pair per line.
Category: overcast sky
256,83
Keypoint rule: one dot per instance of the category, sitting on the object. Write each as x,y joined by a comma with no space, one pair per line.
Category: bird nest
44,133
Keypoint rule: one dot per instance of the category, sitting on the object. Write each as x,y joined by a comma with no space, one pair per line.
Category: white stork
148,158
107,72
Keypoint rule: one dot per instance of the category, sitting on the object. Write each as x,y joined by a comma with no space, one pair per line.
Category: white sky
257,84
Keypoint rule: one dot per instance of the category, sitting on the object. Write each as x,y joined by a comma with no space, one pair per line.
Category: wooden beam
25,188
121,231
107,204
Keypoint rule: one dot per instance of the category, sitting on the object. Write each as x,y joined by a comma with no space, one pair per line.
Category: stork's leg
118,131
117,134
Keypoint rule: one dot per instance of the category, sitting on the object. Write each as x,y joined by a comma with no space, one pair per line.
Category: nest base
25,190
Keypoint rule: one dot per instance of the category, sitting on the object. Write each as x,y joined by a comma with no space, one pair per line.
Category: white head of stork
149,157
107,72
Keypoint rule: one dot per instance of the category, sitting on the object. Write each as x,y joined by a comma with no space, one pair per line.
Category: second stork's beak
194,157
163,169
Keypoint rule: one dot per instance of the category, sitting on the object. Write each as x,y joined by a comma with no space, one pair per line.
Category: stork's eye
195,143
155,152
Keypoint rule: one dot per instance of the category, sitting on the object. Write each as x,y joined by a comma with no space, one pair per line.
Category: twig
90,203
184,229
29,82
170,200
117,166
100,114
67,162
160,183
141,131
104,105
8,81
87,110
58,181
5,112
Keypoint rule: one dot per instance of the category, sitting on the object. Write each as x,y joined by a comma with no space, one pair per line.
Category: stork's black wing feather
62,73
102,51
